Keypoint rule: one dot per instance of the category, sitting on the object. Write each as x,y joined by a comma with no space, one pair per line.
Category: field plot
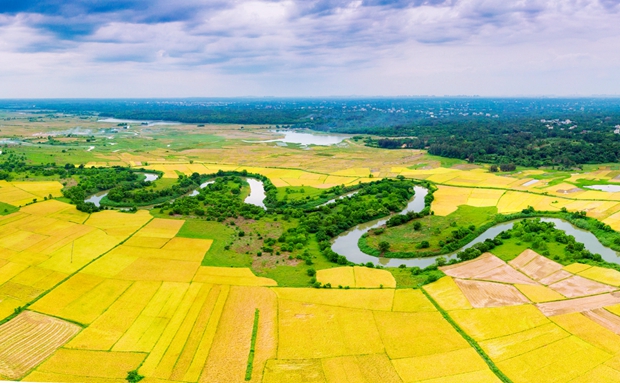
29,339
356,276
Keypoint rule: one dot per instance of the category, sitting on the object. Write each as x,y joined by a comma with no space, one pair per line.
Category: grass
248,371
404,278
445,162
6,209
434,229
296,193
222,236
512,247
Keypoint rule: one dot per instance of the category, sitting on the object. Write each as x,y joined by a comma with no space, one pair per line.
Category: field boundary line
27,305
472,342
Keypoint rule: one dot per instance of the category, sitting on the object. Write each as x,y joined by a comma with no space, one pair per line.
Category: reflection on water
96,199
347,243
605,188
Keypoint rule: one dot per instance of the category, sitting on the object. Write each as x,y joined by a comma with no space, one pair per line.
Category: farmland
174,296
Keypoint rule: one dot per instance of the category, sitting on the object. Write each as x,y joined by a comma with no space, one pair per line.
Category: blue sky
183,48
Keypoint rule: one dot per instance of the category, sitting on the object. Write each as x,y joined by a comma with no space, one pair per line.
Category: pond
202,186
605,188
305,138
347,243
257,193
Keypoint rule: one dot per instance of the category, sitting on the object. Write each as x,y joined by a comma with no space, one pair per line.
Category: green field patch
6,209
437,231
222,236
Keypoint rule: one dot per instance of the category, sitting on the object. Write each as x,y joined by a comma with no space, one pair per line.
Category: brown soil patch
579,304
555,277
29,339
540,267
577,286
465,167
523,259
506,274
605,319
484,263
489,294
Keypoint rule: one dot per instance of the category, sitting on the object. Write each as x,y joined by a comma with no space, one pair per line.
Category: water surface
304,138
257,193
605,188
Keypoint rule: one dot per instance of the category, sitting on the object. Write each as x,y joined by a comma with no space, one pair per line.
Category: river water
257,193
347,243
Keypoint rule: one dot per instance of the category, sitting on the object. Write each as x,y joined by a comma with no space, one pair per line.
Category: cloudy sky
183,48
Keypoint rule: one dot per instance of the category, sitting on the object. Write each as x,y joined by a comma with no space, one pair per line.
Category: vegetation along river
346,243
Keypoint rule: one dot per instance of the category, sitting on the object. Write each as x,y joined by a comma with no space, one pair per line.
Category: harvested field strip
469,340
577,286
605,318
490,294
29,339
578,304
196,351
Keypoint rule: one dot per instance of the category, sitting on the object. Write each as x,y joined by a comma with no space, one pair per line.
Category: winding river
96,198
347,243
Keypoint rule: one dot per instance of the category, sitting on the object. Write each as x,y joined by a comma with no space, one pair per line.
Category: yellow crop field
447,294
539,293
360,368
343,276
155,269
71,290
231,276
90,305
318,331
488,323
355,299
601,274
198,246
294,371
161,228
118,224
559,361
407,335
576,268
600,374
356,276
442,365
111,264
40,188
149,325
92,363
589,331
448,199
411,301
106,330
519,343
148,242
231,345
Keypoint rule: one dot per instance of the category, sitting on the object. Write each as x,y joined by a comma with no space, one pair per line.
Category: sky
315,48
